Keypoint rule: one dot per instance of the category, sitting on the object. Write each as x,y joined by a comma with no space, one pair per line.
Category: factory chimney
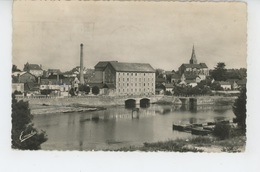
81,64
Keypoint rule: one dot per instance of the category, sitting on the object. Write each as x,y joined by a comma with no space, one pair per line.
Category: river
117,127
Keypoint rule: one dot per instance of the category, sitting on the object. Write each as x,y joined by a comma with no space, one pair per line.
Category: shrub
46,91
24,135
239,109
17,92
222,130
84,88
95,90
168,93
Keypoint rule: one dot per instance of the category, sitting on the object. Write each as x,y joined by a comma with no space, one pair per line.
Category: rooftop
198,66
126,67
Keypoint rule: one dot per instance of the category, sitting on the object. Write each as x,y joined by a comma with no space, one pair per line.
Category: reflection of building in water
201,108
120,113
81,134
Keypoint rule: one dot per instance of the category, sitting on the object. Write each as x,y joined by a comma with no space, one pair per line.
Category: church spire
193,59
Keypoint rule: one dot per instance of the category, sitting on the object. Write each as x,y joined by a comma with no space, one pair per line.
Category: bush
84,88
95,90
24,135
168,93
222,130
17,92
46,92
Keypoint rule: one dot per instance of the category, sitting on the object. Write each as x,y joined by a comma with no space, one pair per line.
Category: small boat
180,127
200,131
209,127
211,123
197,125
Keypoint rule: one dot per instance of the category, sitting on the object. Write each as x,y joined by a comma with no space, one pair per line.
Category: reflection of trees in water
221,109
203,108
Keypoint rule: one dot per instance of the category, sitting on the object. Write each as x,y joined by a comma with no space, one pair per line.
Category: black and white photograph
129,76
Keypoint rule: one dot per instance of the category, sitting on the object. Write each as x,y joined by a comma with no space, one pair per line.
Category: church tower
193,59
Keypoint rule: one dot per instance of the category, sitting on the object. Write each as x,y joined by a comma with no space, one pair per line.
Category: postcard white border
11,160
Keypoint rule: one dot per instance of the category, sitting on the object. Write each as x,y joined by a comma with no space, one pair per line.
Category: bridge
143,101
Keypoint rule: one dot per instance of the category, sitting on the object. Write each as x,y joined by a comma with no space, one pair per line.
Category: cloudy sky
159,33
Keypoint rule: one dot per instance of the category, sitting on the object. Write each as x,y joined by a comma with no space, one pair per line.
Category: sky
160,33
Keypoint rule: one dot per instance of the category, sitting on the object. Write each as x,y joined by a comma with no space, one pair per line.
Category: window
118,79
135,74
135,84
144,74
123,79
127,79
127,84
119,90
148,84
144,84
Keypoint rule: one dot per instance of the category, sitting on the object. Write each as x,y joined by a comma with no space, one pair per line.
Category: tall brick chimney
81,65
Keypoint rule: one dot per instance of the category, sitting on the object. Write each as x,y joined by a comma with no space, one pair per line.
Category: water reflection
116,127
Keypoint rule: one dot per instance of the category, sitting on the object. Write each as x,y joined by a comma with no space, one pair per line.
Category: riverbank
49,109
207,144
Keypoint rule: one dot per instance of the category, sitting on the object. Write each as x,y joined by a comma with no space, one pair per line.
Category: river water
119,127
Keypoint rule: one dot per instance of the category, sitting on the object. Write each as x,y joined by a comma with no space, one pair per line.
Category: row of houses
111,77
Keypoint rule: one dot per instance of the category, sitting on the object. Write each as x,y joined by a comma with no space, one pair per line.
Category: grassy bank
197,144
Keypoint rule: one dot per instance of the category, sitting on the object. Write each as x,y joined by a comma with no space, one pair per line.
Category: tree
95,90
15,69
219,73
158,73
239,109
24,135
216,86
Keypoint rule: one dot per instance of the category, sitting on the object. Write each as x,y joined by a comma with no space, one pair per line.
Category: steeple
193,59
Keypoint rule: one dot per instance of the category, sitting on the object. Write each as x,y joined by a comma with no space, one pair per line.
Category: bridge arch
130,103
145,102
